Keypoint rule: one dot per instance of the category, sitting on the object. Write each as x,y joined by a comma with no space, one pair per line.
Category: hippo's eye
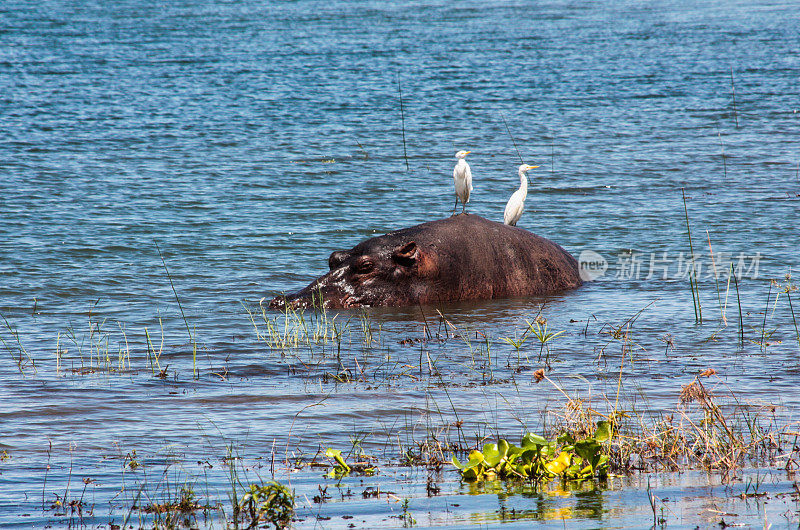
364,266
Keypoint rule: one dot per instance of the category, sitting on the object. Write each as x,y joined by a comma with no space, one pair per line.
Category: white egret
517,201
462,177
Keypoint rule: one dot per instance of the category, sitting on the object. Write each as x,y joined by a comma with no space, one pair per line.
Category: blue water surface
243,141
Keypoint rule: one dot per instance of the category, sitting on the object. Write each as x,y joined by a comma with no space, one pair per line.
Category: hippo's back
478,258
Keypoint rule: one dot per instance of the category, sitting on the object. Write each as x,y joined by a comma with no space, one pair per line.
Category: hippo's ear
406,254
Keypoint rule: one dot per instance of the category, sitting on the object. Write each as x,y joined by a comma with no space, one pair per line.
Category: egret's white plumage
462,177
516,204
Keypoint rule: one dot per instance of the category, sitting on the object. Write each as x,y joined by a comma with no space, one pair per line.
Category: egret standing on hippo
462,179
516,204
463,257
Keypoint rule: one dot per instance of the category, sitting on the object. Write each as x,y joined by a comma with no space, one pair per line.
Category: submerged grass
294,328
15,348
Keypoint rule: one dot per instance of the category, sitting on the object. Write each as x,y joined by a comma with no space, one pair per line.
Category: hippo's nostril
279,302
337,258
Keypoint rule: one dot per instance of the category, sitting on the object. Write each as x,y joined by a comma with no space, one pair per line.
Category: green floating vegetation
342,469
539,459
270,503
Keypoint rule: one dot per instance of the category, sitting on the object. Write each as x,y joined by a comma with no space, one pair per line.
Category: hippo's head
369,274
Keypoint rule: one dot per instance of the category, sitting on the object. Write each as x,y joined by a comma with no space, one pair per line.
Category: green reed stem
739,301
733,93
764,323
512,138
150,352
402,121
724,163
194,355
716,280
169,277
793,319
698,310
20,348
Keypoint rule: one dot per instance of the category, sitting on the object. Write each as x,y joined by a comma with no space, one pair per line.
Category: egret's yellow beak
468,152
532,167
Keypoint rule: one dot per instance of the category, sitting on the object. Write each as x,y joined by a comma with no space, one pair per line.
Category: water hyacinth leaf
528,456
471,473
476,456
514,450
475,459
603,432
587,449
574,471
536,459
557,466
531,439
565,439
491,454
502,448
336,454
602,465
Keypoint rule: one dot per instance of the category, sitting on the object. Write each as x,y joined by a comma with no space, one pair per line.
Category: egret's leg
455,206
463,207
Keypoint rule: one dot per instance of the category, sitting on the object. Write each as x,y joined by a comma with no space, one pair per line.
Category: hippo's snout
298,300
279,302
329,291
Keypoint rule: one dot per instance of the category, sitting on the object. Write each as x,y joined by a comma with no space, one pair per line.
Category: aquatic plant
152,354
539,459
19,350
698,310
295,328
406,517
270,503
341,468
539,329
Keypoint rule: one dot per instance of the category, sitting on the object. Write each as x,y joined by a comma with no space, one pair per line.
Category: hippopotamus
464,257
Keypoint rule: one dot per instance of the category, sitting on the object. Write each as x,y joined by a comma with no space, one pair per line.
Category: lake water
245,141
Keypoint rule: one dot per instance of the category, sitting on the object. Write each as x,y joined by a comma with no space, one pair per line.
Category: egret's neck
523,181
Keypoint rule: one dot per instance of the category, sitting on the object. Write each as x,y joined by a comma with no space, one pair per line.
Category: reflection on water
683,500
546,502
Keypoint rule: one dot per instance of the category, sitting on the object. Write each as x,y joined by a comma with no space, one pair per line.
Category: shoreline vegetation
588,436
